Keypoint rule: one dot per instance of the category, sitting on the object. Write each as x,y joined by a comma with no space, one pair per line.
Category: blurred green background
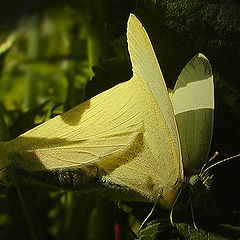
56,54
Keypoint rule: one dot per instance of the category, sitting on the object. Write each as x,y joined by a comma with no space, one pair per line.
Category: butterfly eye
194,180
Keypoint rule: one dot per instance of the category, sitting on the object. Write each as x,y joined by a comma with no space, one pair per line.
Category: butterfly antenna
217,163
172,208
204,165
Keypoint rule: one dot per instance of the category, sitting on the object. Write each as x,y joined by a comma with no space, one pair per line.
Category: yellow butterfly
126,138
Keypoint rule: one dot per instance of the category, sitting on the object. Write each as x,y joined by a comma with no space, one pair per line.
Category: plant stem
33,53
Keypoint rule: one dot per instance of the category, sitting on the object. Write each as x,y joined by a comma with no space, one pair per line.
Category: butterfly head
199,184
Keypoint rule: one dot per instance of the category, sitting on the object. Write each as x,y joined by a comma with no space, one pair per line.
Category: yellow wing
157,169
145,65
126,136
105,125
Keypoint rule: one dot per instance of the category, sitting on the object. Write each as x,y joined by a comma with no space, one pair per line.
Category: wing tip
201,55
132,21
132,18
201,58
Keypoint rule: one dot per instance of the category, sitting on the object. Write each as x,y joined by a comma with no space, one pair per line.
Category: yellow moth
125,138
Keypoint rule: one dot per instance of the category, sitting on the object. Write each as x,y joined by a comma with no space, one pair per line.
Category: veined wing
107,124
145,64
157,169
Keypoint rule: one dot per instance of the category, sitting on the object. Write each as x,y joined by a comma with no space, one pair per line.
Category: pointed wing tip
204,60
131,17
132,20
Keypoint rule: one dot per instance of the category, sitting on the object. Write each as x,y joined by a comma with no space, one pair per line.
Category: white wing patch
194,88
199,100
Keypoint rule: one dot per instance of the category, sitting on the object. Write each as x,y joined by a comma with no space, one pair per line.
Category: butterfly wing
105,125
145,64
125,136
158,168
193,103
